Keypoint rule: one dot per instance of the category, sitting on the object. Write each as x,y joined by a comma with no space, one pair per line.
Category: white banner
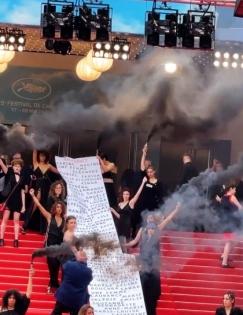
116,287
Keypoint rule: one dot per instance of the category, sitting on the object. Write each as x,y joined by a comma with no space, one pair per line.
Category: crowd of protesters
40,198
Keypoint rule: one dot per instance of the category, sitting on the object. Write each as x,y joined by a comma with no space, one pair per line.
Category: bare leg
226,252
16,225
6,215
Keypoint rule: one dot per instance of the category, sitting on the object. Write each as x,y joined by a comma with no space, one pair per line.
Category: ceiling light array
168,28
12,39
118,48
64,21
226,60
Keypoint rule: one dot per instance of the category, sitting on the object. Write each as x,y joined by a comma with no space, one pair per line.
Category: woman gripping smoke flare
148,259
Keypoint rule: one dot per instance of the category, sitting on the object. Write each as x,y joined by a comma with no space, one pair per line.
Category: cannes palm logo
31,89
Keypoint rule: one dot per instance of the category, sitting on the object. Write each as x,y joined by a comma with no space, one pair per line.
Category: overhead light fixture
12,39
57,21
226,59
93,18
83,21
170,67
118,48
62,47
197,29
161,26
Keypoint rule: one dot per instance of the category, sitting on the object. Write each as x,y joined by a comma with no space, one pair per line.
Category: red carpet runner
192,281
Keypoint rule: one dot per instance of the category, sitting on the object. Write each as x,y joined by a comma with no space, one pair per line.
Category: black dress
54,237
124,224
152,196
189,171
229,216
234,311
149,260
14,199
34,219
110,188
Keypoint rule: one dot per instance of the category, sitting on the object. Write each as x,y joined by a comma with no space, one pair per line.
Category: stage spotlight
118,48
3,35
62,47
11,47
11,39
226,55
161,27
197,29
107,46
57,19
48,21
236,56
103,26
225,64
216,63
241,65
124,56
234,65
217,54
20,48
83,22
170,67
66,22
49,44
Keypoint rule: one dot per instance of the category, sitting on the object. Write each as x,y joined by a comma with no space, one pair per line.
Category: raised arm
143,158
169,217
235,201
133,201
3,166
30,282
136,239
53,169
45,213
106,168
34,158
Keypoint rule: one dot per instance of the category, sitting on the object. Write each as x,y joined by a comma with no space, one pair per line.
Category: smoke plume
181,106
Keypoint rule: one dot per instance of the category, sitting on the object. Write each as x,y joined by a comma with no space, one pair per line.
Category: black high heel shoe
1,242
16,243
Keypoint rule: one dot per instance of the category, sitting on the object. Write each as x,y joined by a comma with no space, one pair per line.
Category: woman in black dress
15,201
41,182
124,212
109,171
230,220
15,303
229,307
57,193
54,236
152,194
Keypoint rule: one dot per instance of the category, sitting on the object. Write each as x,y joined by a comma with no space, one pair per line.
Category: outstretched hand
145,148
32,192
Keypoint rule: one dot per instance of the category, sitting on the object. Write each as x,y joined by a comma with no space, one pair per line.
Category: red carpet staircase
192,280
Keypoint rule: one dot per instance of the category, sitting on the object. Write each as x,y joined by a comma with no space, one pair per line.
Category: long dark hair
45,153
17,295
53,208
